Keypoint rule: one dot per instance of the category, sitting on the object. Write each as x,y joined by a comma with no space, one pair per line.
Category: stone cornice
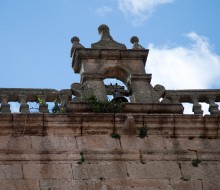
117,54
80,124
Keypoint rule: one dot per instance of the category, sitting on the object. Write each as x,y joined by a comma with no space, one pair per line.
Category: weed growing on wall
82,159
143,132
103,107
196,162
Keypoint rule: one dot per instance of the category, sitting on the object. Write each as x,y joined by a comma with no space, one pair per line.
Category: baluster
24,107
5,106
64,99
43,106
197,107
213,107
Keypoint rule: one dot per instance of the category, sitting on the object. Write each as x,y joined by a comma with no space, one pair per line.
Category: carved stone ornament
134,40
75,41
106,41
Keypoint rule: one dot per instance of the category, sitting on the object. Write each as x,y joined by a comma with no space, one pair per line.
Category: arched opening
114,86
115,81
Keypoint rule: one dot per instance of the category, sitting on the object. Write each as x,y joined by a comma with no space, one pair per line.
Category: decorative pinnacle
134,40
75,41
106,41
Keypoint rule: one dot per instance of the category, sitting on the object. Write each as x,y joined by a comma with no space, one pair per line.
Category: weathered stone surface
134,143
47,171
191,143
99,170
59,184
158,161
15,184
208,171
189,185
153,170
98,142
5,124
57,143
15,143
11,171
138,184
210,184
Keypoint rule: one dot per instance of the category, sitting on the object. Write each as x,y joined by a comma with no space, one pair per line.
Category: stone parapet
195,97
26,95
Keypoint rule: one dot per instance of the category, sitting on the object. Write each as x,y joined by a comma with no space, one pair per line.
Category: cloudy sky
182,35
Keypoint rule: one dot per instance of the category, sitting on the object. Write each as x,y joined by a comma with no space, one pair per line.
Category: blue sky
182,35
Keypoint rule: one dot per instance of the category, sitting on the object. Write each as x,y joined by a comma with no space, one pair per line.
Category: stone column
92,84
141,89
5,107
24,107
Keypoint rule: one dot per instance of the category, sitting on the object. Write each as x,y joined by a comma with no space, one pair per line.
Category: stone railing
195,97
24,96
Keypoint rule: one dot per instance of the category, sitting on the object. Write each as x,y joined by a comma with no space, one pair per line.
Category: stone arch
119,73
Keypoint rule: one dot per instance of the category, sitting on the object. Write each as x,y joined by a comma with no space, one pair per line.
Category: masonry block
189,185
98,142
11,143
134,143
11,171
99,170
153,170
55,143
47,171
205,170
15,184
62,184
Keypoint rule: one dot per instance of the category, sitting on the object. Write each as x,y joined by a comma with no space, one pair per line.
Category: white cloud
192,67
139,10
196,66
102,11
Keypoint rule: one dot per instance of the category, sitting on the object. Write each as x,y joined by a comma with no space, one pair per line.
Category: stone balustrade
24,96
27,95
195,97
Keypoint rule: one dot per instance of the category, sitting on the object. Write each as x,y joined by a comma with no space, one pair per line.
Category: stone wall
76,151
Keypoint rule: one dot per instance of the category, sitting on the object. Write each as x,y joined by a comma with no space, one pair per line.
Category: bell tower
110,59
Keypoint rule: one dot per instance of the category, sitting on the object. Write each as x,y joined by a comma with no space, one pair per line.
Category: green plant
196,162
116,136
143,132
82,159
103,107
57,108
40,101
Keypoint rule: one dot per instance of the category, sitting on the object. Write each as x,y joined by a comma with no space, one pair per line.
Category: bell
118,98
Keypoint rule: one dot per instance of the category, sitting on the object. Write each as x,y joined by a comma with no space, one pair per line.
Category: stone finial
134,40
75,41
103,29
106,41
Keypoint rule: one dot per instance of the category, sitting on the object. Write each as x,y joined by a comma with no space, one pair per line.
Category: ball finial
75,39
103,29
134,39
